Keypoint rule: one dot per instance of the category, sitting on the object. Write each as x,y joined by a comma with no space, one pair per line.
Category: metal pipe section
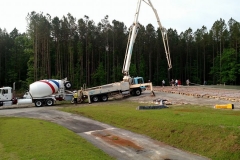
132,40
164,35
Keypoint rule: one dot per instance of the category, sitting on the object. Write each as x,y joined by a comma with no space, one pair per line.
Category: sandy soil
200,95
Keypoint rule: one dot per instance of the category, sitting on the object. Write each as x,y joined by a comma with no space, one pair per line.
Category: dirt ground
200,95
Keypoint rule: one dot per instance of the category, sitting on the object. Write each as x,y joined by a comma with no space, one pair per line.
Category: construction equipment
164,34
6,96
46,92
129,85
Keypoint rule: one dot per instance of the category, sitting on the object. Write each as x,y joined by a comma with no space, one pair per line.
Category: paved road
118,143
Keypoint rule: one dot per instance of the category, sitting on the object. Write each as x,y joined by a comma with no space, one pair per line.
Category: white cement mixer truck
45,92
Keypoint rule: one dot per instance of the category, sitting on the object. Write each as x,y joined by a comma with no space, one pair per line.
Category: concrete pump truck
129,86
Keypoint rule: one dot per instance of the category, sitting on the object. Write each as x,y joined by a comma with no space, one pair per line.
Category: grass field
23,139
206,131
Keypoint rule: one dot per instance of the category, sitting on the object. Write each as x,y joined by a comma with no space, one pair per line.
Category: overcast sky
175,14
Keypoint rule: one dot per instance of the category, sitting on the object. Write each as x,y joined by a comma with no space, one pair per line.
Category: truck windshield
140,80
5,91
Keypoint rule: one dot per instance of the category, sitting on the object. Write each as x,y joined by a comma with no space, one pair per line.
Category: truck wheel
95,99
137,92
68,85
104,98
38,103
49,102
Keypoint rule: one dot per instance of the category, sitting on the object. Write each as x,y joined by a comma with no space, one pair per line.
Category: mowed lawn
25,139
214,133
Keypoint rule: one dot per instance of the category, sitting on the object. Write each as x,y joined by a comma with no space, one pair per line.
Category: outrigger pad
151,107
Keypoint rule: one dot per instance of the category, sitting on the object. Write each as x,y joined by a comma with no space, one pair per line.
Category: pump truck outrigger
129,85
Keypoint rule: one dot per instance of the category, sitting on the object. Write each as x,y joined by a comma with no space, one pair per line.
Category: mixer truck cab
5,95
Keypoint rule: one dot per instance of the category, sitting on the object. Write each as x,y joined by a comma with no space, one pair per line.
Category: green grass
203,130
23,139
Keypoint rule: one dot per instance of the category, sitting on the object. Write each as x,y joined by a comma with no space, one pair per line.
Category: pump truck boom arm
132,36
131,40
129,86
164,34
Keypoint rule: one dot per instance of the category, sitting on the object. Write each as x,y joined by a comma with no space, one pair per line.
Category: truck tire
104,98
137,92
38,103
95,98
49,102
68,85
1,103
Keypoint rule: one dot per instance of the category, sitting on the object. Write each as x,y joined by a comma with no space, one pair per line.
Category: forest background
93,54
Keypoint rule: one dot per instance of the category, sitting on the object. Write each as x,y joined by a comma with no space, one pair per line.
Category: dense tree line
93,54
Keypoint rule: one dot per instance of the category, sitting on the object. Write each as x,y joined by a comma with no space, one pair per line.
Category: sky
175,14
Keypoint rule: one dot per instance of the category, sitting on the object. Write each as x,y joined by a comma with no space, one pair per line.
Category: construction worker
172,83
75,96
187,82
163,83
